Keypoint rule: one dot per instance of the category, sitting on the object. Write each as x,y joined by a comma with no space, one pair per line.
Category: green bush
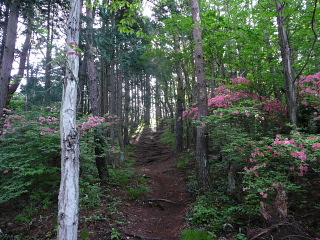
29,158
195,234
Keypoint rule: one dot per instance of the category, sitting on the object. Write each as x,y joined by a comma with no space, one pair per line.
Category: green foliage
185,160
85,233
280,160
168,138
115,234
120,176
29,160
195,234
137,191
218,213
90,194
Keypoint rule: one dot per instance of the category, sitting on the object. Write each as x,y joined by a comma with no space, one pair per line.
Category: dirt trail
160,214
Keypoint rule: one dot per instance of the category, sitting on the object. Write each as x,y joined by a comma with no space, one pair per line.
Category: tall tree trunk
105,76
8,54
94,96
120,114
23,57
126,111
70,151
286,55
82,83
157,102
202,140
180,99
4,31
147,99
48,67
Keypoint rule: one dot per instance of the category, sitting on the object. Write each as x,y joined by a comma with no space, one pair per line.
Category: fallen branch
161,199
138,236
269,229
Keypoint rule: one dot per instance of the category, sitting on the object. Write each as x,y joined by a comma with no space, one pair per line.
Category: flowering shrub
30,151
309,98
237,96
29,156
280,160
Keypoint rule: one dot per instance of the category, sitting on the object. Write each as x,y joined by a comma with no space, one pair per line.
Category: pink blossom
43,133
236,112
263,194
244,189
203,124
304,168
6,171
317,146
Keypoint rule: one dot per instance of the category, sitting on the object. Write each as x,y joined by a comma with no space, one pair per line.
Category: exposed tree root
161,200
140,237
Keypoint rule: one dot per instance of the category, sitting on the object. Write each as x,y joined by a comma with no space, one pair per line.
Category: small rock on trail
161,213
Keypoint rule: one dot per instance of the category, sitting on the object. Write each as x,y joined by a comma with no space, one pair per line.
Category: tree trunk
23,57
48,67
286,56
70,152
82,83
8,54
126,111
4,30
147,100
158,102
202,140
180,99
94,96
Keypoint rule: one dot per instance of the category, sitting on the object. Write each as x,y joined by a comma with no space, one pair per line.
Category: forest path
161,213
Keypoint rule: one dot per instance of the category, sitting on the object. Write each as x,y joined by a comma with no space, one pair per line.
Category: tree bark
4,30
286,55
126,111
48,67
8,54
23,57
202,140
147,99
94,96
70,151
180,99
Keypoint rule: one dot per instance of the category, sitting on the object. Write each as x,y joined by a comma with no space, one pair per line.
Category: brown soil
161,213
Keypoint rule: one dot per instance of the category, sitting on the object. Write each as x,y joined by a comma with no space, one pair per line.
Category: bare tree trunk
157,101
202,140
105,70
8,54
286,54
126,111
48,67
4,31
94,96
120,114
180,99
82,82
70,151
147,99
23,58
